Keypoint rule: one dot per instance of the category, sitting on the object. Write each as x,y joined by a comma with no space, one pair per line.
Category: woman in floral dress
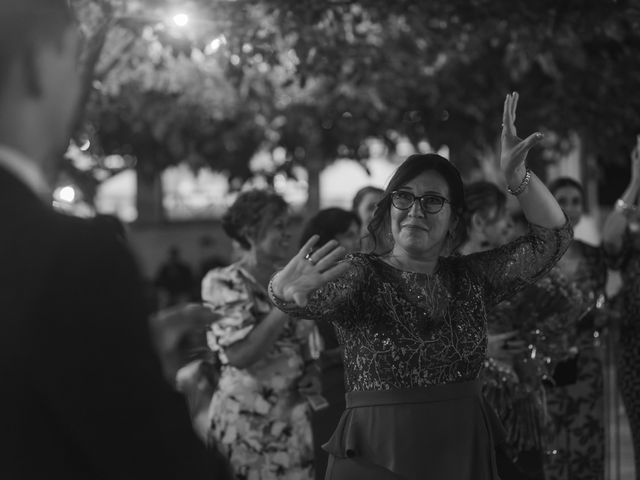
258,414
413,322
575,398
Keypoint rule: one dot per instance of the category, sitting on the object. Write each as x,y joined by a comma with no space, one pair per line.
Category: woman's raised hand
513,151
309,270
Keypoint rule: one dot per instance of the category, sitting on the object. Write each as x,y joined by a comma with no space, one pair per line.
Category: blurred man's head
39,80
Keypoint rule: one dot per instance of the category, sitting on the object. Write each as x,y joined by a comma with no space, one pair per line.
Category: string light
181,19
67,194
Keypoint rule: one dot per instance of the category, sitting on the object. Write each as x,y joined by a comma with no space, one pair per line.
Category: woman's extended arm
308,271
627,205
538,204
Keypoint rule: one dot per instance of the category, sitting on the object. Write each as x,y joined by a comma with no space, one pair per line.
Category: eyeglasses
429,203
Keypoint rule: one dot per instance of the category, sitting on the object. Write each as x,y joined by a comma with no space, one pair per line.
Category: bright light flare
217,42
67,194
181,19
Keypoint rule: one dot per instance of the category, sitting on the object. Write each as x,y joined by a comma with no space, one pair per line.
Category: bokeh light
181,19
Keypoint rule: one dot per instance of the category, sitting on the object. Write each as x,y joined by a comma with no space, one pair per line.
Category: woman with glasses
413,321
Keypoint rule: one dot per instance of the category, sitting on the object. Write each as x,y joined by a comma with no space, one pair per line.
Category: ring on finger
309,259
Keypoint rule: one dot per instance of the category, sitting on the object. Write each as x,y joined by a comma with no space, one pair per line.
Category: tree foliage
440,70
319,78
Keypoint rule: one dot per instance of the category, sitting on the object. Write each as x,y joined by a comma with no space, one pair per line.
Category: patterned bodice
405,330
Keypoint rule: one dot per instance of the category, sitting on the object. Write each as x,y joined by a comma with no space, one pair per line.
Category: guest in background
334,224
575,401
621,241
364,205
344,227
258,413
519,224
515,395
210,259
488,224
174,280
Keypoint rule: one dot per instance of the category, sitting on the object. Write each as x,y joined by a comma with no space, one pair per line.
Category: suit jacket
82,391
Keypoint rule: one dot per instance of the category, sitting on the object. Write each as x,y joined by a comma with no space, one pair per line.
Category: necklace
393,261
423,291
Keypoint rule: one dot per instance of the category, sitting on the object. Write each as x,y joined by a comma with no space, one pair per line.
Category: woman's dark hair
482,197
327,224
562,182
414,165
249,209
363,192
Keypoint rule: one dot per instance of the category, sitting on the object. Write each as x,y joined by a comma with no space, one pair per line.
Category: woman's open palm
309,270
513,151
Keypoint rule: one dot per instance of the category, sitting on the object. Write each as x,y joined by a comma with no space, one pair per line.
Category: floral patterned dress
627,302
576,403
546,314
257,415
405,331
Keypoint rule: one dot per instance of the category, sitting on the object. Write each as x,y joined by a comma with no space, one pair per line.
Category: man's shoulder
79,237
68,242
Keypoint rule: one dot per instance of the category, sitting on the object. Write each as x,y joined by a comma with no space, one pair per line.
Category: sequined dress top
403,330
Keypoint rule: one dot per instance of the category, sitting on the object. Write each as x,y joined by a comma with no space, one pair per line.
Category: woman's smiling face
570,199
418,234
274,235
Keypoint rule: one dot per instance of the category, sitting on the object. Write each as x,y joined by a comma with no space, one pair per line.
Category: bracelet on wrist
276,300
523,185
622,205
625,208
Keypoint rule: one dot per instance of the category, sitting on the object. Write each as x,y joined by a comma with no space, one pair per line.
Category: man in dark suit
83,394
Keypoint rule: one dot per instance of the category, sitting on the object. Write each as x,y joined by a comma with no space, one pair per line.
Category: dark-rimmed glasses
430,203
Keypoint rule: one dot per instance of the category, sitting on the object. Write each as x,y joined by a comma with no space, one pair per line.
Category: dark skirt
325,421
444,432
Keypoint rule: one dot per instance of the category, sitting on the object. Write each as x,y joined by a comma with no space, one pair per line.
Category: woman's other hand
308,271
513,151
